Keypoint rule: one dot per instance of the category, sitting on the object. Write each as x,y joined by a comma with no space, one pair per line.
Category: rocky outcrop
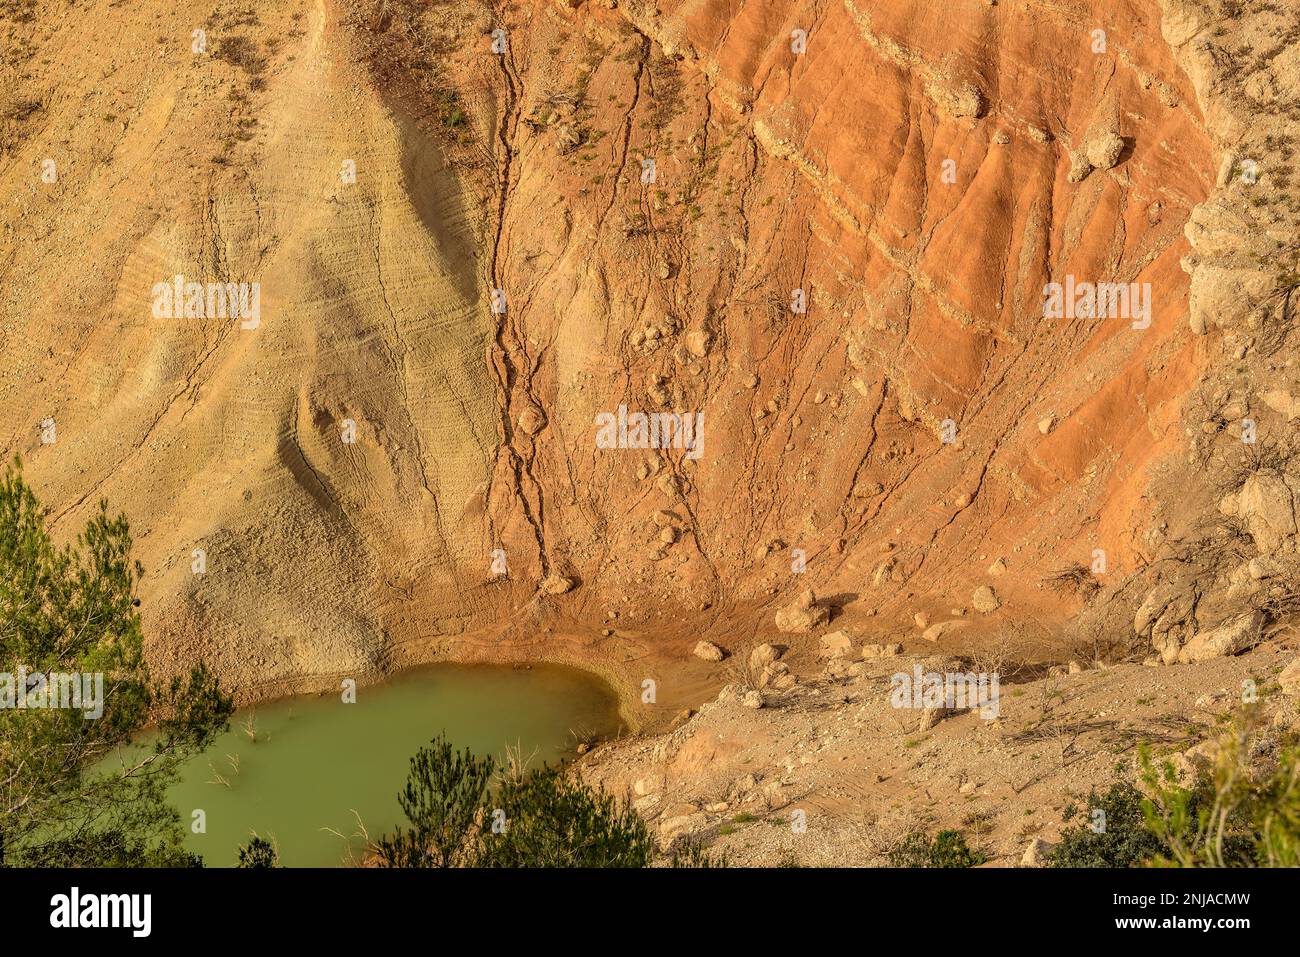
834,255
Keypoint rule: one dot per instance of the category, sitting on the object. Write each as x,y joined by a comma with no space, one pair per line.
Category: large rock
985,600
1289,679
836,644
1036,853
1268,507
762,656
802,616
1231,637
1165,616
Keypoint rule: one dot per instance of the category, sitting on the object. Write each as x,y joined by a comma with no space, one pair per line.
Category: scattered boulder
985,600
882,651
942,628
1036,853
762,656
1289,679
803,615
836,644
708,651
1268,507
1229,638
1165,616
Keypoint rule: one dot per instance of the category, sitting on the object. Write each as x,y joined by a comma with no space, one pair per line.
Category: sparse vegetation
1241,809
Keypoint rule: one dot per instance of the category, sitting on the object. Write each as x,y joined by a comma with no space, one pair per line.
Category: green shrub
532,818
1120,838
945,849
258,853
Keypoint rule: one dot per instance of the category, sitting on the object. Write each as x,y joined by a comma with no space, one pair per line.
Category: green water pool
294,771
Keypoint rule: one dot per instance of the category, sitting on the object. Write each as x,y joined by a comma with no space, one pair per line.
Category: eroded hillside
825,228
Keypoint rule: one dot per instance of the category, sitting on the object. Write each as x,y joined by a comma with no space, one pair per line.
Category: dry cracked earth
825,232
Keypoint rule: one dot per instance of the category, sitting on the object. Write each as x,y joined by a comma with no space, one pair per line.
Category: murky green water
312,761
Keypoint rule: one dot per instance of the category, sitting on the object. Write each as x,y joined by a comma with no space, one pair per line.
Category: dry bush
1076,578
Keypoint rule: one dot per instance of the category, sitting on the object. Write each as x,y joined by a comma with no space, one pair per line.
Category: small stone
940,629
708,651
1046,424
882,651
557,585
1104,149
532,420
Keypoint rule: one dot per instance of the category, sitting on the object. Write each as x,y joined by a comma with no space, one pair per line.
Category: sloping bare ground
864,773
915,174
